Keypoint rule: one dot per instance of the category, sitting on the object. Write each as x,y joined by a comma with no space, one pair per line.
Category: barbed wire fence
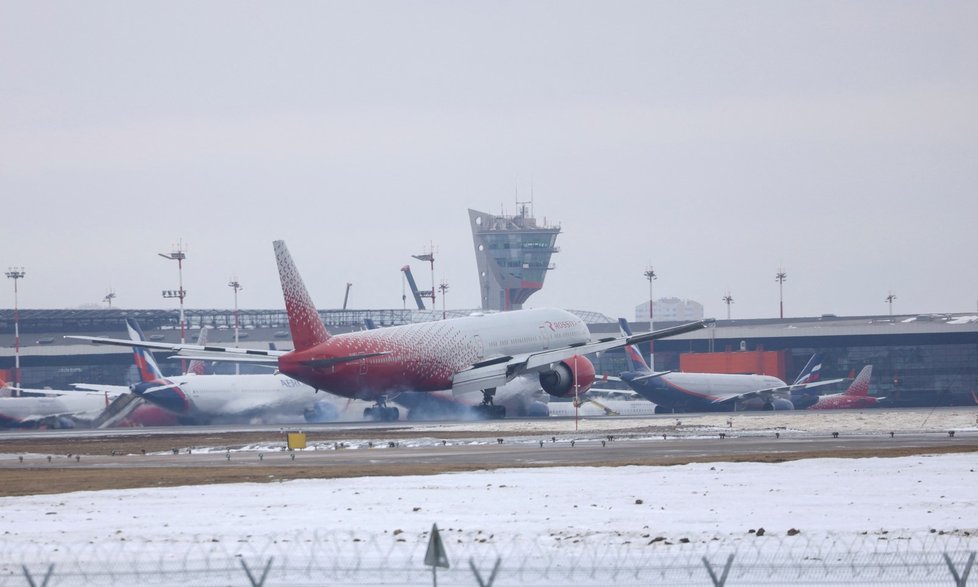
350,558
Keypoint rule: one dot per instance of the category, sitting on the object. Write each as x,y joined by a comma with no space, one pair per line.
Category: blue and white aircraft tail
633,357
812,371
148,369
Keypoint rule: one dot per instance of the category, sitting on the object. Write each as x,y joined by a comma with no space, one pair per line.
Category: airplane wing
25,392
206,352
771,392
496,371
109,389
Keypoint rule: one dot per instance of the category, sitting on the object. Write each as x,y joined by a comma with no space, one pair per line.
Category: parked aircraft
231,398
457,356
601,407
857,396
35,408
711,392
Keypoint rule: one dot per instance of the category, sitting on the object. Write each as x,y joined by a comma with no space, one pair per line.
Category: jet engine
779,403
570,376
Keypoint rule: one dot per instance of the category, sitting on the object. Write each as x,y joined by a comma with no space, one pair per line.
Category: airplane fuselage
32,411
698,392
208,397
425,357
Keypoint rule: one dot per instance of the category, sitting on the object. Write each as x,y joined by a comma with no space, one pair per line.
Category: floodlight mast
889,300
236,286
728,299
178,255
780,277
16,273
443,287
650,275
109,297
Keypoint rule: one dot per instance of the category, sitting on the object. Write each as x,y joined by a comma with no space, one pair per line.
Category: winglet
305,323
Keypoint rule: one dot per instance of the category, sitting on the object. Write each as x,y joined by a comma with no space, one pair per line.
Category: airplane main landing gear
382,413
487,410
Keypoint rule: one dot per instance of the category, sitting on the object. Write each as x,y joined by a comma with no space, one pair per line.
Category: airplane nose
166,395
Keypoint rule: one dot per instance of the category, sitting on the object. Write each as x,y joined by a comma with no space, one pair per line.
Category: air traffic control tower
513,256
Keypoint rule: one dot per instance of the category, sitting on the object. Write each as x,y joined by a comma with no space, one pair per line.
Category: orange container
746,362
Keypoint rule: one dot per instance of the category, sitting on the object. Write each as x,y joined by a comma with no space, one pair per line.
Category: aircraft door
478,347
545,337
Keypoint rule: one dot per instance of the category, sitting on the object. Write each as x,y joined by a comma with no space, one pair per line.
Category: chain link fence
348,558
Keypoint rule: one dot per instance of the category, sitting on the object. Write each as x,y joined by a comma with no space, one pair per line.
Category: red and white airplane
447,358
857,396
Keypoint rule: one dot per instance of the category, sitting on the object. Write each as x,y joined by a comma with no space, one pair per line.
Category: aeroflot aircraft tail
305,323
632,356
812,371
148,369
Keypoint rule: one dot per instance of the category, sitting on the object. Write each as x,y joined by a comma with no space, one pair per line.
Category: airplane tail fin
860,385
632,356
197,366
305,323
148,369
812,371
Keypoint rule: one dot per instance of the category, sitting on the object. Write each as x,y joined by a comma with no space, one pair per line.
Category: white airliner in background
52,409
446,358
232,398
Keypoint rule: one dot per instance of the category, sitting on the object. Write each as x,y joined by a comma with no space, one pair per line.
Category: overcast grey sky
714,140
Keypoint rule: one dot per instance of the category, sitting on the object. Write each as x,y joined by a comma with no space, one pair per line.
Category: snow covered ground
869,521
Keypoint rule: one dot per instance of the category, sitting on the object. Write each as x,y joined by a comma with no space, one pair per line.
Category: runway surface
66,460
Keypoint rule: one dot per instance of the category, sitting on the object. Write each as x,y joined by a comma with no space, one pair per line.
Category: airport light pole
650,275
889,300
178,255
443,287
109,297
236,286
780,277
16,273
728,299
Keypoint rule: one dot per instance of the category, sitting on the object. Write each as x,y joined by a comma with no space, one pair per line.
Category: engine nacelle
570,376
779,404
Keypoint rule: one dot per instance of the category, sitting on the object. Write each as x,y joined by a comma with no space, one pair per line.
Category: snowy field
874,521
